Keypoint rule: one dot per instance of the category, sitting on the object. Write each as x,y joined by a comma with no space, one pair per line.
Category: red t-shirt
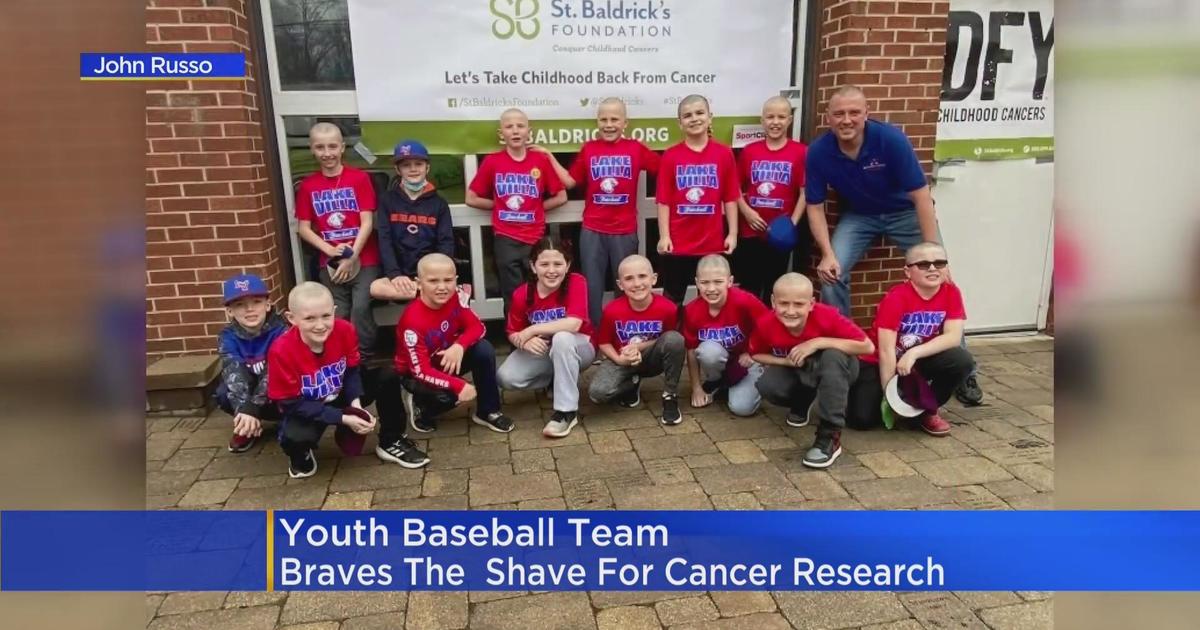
422,332
771,337
552,307
772,179
915,319
620,325
298,372
517,190
730,327
609,172
334,204
694,185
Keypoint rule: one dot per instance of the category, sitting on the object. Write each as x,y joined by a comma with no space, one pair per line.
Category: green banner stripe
993,149
480,136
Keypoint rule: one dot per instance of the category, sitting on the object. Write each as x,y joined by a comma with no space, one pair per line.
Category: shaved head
793,280
430,262
631,261
777,101
917,250
715,262
307,293
325,129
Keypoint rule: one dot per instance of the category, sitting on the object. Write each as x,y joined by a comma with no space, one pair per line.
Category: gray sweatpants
353,302
744,398
570,353
601,254
829,372
665,357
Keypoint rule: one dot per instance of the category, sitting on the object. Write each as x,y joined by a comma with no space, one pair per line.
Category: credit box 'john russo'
153,65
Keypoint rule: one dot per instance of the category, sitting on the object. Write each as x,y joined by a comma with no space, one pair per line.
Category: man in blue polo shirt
881,192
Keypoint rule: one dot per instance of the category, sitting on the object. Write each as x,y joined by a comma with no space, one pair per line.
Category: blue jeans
854,234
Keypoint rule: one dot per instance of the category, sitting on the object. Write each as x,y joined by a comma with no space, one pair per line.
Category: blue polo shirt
878,182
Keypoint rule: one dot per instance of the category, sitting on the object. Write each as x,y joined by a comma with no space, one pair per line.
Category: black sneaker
402,452
824,450
495,421
969,393
711,387
670,414
798,420
302,467
634,397
560,424
416,420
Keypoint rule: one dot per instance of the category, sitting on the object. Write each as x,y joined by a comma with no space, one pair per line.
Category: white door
996,219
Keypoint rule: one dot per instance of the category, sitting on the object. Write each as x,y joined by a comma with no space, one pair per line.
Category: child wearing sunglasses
918,330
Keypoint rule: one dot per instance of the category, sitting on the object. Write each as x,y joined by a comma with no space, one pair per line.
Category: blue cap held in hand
781,234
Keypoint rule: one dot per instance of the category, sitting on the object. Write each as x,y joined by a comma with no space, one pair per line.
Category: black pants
945,370
512,265
480,361
802,253
677,273
297,435
757,265
826,376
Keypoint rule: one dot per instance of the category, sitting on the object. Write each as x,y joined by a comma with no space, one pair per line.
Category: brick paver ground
999,456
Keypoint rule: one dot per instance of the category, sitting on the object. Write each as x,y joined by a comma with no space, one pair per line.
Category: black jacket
410,228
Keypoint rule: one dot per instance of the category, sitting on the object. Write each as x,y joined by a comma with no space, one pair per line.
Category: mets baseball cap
410,150
244,285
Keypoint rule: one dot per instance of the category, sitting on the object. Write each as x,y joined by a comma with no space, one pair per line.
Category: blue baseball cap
781,234
410,150
244,285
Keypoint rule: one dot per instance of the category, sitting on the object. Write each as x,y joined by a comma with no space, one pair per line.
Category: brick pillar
894,52
209,204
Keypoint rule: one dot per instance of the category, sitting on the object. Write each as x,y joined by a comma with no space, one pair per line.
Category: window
312,43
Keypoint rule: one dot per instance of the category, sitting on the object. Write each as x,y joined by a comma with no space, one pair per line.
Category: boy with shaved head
335,211
316,380
518,186
810,353
438,339
772,175
637,339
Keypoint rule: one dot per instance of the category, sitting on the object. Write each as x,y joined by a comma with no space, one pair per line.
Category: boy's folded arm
473,329
770,359
352,385
848,346
313,410
420,365
236,377
258,399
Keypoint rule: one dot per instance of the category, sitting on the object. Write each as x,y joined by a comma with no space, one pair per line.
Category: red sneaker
933,424
241,443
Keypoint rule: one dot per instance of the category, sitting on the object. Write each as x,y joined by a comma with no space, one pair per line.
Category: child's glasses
924,265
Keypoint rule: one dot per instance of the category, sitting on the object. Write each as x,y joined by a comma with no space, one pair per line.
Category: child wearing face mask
414,220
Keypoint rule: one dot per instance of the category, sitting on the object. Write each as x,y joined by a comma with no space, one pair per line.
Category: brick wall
209,206
894,52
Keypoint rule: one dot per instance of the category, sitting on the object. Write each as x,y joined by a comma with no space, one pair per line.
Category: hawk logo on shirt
608,184
694,195
638,329
918,327
515,202
325,384
337,219
765,188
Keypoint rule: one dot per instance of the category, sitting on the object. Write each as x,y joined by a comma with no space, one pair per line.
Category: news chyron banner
445,73
998,81
384,550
